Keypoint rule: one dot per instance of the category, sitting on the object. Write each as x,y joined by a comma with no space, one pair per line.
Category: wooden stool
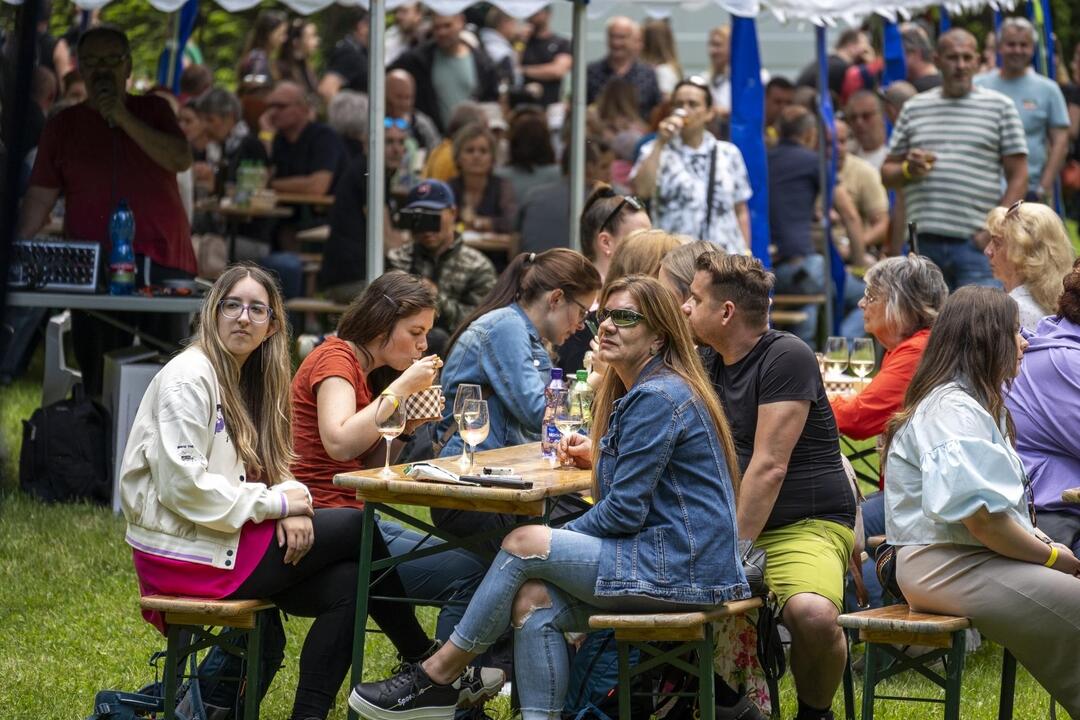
693,630
881,628
195,617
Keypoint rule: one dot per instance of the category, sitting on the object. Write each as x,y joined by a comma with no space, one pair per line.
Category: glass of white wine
836,356
569,415
390,420
474,427
464,393
863,356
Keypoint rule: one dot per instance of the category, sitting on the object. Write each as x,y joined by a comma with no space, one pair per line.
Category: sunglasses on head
1014,209
628,200
620,317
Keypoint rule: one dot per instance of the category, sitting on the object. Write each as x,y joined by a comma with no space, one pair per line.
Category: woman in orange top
902,299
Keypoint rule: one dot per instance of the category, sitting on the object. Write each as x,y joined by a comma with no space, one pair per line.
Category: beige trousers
1030,609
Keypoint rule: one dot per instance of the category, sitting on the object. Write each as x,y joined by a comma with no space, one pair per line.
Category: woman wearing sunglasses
212,509
661,536
955,501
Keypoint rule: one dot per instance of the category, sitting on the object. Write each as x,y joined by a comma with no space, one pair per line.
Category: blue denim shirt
667,507
502,352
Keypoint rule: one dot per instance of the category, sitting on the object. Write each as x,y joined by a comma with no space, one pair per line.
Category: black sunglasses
620,317
628,200
1030,493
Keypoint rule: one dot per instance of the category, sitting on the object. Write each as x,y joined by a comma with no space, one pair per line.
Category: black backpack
65,451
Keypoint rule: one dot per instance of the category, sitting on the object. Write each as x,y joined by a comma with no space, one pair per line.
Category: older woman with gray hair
902,298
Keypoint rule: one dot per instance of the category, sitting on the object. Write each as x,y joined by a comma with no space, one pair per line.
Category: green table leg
172,670
706,678
869,681
953,673
253,658
363,583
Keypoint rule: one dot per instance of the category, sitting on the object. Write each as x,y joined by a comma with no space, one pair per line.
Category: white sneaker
479,685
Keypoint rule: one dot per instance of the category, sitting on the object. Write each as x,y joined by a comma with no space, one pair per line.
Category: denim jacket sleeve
647,419
507,361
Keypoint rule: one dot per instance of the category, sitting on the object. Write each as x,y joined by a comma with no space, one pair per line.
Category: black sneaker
479,685
409,695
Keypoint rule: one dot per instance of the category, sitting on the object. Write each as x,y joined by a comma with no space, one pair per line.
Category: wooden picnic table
549,482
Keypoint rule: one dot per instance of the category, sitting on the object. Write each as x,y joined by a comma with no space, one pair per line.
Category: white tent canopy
817,11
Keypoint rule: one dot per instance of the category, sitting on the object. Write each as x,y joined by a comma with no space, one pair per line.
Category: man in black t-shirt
794,500
347,67
547,57
308,157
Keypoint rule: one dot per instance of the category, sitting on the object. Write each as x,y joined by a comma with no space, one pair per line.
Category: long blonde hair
641,251
1036,243
255,397
657,303
658,47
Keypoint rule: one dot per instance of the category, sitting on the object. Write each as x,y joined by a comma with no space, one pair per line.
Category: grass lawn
70,626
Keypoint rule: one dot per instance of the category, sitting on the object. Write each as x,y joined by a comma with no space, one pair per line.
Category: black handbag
753,560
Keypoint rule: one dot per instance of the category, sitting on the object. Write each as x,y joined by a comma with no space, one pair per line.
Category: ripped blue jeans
541,661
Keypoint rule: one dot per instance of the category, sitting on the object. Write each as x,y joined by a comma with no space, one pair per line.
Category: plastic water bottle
582,392
549,434
122,254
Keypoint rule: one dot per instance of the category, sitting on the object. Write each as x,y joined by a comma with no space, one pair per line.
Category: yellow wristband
905,170
1053,557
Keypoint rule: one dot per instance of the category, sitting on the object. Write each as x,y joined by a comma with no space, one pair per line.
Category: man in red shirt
111,147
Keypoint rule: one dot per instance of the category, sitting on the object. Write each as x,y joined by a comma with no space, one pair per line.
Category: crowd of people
712,430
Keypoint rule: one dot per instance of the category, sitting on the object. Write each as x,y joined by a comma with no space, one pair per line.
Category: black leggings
323,586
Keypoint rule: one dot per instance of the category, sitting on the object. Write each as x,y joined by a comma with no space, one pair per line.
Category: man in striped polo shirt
947,153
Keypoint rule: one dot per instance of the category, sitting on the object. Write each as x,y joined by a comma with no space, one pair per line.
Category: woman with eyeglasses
540,299
212,508
661,536
1029,252
698,184
955,501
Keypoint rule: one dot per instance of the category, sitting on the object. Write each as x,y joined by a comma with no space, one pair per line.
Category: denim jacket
667,507
502,352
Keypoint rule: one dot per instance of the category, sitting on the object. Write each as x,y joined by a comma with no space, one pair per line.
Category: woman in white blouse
955,501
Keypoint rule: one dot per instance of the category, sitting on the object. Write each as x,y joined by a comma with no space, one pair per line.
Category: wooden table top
547,481
1071,496
246,211
286,198
487,241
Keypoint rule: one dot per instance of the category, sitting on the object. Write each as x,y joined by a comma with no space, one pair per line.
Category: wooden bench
798,300
787,317
884,628
693,630
189,623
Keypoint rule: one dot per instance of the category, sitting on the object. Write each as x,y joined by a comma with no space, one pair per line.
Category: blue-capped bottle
549,433
122,254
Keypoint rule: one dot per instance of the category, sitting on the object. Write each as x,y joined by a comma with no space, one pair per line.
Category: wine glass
474,425
390,420
863,356
836,355
569,415
464,393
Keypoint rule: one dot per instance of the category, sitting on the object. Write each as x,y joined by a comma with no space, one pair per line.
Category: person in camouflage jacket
460,275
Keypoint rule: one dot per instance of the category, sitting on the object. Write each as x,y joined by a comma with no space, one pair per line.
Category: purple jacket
1045,405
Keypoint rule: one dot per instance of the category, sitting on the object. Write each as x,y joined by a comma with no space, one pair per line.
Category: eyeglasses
393,122
620,317
869,296
628,200
232,308
582,310
280,105
1014,209
103,61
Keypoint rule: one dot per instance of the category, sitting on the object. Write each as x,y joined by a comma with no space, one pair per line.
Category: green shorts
809,556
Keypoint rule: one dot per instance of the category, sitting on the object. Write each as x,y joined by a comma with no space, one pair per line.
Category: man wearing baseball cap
460,275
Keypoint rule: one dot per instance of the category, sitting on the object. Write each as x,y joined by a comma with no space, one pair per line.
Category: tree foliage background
221,35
